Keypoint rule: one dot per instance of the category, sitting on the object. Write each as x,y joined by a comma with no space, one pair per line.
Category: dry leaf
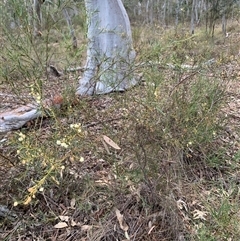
61,225
64,218
126,235
73,223
111,142
197,214
73,202
151,229
122,224
105,146
182,205
86,227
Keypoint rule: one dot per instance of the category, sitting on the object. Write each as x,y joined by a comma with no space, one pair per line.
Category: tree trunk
70,26
110,54
177,13
224,24
192,17
37,16
164,13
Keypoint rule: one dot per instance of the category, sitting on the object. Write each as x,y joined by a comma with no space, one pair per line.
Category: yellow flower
77,127
59,142
64,145
21,136
81,159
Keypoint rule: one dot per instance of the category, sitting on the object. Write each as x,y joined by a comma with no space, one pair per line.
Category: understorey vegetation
157,162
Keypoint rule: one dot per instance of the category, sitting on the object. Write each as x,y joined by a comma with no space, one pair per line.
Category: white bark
110,54
15,119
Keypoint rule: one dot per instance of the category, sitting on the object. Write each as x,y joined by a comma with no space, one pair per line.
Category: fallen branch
54,71
15,119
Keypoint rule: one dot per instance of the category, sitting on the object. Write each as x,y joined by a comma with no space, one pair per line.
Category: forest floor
129,166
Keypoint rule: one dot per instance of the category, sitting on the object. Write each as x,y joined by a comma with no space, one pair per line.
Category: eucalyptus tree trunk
177,13
196,7
224,24
192,17
110,54
70,26
37,16
164,13
150,11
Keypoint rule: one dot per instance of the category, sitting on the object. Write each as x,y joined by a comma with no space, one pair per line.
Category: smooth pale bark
110,54
15,119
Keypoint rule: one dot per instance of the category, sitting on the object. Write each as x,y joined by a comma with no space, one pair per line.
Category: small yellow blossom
77,127
59,142
81,159
21,136
189,143
63,144
38,98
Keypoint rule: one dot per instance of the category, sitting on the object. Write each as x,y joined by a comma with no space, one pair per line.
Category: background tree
110,53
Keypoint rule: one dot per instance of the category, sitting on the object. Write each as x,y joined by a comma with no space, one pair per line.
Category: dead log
15,119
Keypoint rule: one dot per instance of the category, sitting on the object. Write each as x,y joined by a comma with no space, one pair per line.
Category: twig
6,158
181,81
